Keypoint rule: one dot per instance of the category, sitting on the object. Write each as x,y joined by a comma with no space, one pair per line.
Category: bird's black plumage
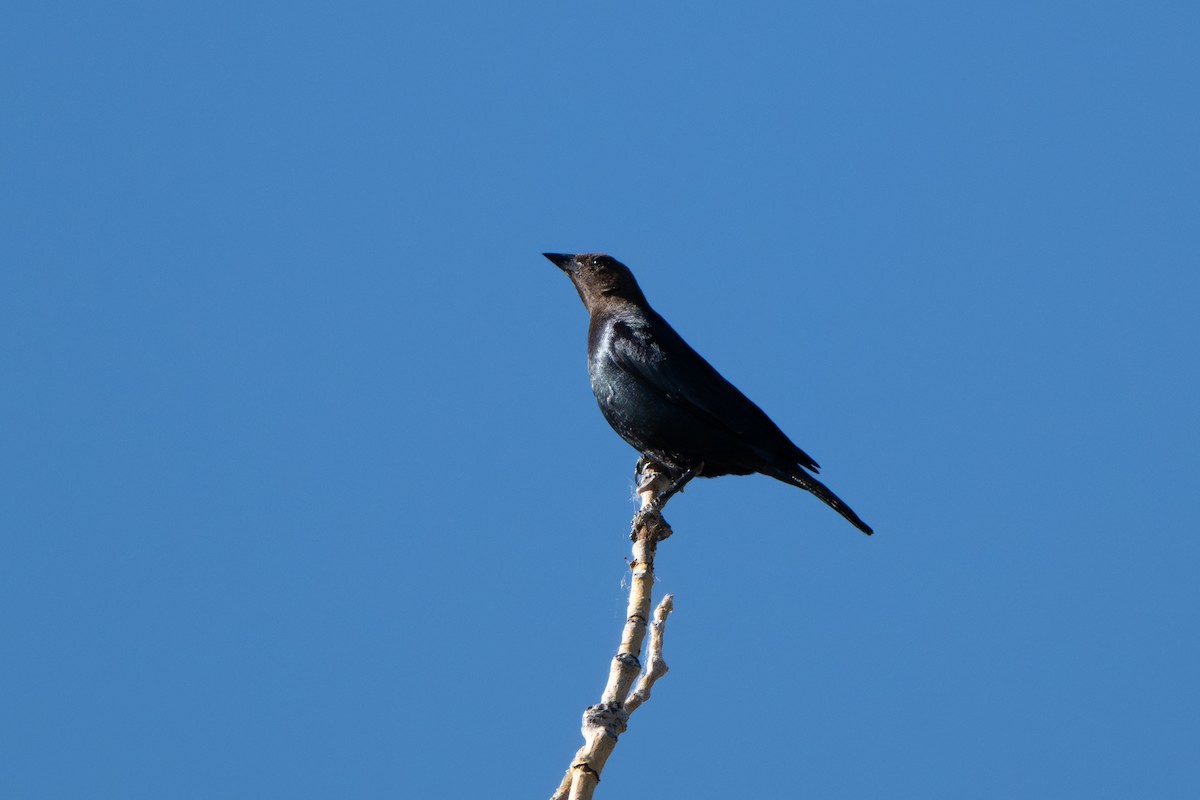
663,398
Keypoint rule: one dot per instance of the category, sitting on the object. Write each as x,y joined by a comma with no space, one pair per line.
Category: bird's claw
647,471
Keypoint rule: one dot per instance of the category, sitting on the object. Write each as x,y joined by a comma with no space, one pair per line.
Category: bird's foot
652,478
657,484
675,487
647,472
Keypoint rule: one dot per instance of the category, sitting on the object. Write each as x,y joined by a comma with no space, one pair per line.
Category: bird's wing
659,358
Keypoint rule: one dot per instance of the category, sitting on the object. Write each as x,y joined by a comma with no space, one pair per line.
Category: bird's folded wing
669,365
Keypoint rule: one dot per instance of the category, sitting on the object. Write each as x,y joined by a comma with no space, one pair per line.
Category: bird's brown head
598,277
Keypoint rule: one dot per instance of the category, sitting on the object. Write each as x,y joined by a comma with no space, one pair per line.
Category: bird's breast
629,406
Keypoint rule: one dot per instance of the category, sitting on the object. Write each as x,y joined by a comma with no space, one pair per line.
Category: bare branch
604,722
655,666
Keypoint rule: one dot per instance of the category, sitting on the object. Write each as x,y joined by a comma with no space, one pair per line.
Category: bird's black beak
564,261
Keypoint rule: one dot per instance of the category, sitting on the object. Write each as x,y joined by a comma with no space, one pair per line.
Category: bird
665,400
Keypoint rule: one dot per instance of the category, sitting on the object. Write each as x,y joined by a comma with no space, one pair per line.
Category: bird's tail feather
805,481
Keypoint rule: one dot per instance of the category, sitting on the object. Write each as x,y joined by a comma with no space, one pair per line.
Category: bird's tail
802,479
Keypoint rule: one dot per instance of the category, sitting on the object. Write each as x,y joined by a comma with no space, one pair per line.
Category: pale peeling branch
605,722
655,666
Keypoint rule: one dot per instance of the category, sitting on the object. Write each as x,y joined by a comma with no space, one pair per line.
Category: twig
605,721
655,666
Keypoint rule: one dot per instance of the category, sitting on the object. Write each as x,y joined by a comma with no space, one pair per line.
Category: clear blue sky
305,494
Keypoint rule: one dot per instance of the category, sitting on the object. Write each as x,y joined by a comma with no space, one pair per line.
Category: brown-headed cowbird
667,401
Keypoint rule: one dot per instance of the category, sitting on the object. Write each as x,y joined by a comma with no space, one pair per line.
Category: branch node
610,718
649,524
628,660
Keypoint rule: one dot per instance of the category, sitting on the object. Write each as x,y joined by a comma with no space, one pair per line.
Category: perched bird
667,401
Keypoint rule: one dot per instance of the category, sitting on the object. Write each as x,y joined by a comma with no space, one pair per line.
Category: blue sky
305,493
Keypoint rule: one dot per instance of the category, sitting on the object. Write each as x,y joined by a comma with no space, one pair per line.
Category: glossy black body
669,403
